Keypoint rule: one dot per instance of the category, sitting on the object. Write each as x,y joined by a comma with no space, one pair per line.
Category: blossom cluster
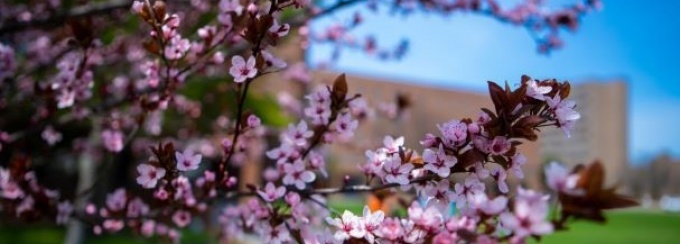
453,190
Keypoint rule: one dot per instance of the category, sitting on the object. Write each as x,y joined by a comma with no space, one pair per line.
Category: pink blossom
7,61
396,172
392,145
440,195
149,175
297,135
137,6
181,218
430,218
516,162
177,48
439,162
374,163
253,121
277,30
345,125
480,171
276,235
148,228
454,131
498,173
51,136
297,175
560,179
348,226
137,208
471,186
116,201
481,202
271,192
371,223
529,218
113,140
536,91
317,162
231,6
187,160
391,229
242,70
64,210
565,113
283,153
320,113
272,61
113,225
499,145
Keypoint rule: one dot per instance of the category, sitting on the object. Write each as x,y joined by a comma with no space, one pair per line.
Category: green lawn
631,226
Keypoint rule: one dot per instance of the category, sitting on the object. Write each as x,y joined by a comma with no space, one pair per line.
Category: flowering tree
165,89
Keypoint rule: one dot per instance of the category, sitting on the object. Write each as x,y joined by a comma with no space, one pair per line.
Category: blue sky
632,40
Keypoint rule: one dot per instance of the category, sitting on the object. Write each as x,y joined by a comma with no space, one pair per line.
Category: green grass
632,226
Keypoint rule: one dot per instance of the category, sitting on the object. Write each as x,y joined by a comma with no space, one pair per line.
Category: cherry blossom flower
253,121
481,202
181,218
231,6
499,145
283,153
242,70
277,30
113,140
440,195
7,61
453,131
271,61
187,160
498,174
471,186
536,91
348,226
374,163
429,219
148,228
439,162
297,135
392,145
137,208
345,125
116,201
317,162
560,179
297,175
528,218
371,223
51,136
149,175
516,162
177,48
64,211
396,172
391,229
564,112
137,6
271,192
480,171
276,235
